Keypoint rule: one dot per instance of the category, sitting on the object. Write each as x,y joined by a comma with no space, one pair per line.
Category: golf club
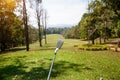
58,46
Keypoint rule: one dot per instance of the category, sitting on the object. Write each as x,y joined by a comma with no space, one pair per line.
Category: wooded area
14,27
102,21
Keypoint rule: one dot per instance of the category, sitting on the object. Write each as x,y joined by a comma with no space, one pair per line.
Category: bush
91,47
75,45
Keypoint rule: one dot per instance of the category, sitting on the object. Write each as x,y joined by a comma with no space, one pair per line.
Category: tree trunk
45,27
100,40
25,25
93,40
39,13
2,43
40,37
39,29
104,39
105,33
3,46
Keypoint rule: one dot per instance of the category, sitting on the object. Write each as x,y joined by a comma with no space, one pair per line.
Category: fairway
70,63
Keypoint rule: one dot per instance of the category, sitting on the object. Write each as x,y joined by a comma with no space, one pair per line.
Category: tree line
101,21
55,30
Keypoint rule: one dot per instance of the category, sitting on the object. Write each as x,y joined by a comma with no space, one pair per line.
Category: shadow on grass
41,72
42,49
12,50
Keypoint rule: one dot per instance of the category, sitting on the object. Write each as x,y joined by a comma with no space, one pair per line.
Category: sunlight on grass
70,63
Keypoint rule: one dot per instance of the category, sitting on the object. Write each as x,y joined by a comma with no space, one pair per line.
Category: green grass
70,63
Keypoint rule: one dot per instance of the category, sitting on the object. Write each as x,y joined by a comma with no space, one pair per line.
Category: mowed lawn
70,63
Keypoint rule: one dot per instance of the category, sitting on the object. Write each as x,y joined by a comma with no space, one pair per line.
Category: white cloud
65,11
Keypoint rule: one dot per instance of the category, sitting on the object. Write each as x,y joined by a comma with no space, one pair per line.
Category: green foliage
72,33
118,29
11,29
102,20
33,34
11,33
83,24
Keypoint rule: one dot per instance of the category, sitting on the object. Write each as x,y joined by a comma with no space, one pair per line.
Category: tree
36,5
10,25
45,26
25,21
101,17
39,13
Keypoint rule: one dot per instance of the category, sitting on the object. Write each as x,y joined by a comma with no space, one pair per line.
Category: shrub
92,47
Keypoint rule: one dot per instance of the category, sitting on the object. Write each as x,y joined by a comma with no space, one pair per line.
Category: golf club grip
59,44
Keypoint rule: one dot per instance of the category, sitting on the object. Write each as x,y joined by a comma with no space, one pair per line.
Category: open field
70,63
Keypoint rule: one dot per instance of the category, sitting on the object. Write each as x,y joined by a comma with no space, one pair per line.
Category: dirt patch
113,45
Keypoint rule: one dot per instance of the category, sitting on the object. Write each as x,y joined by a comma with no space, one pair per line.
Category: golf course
71,63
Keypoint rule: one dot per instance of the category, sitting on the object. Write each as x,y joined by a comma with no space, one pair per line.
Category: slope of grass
70,63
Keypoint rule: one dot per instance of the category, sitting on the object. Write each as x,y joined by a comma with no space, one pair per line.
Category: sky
65,11
61,12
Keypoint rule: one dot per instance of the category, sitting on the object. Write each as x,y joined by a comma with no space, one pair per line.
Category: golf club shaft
51,66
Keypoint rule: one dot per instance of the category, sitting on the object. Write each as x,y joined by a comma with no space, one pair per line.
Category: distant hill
60,25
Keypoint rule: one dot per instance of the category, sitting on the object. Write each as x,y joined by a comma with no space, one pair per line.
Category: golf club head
59,44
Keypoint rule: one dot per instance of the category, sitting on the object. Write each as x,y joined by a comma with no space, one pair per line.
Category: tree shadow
42,49
41,72
12,70
61,67
12,50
